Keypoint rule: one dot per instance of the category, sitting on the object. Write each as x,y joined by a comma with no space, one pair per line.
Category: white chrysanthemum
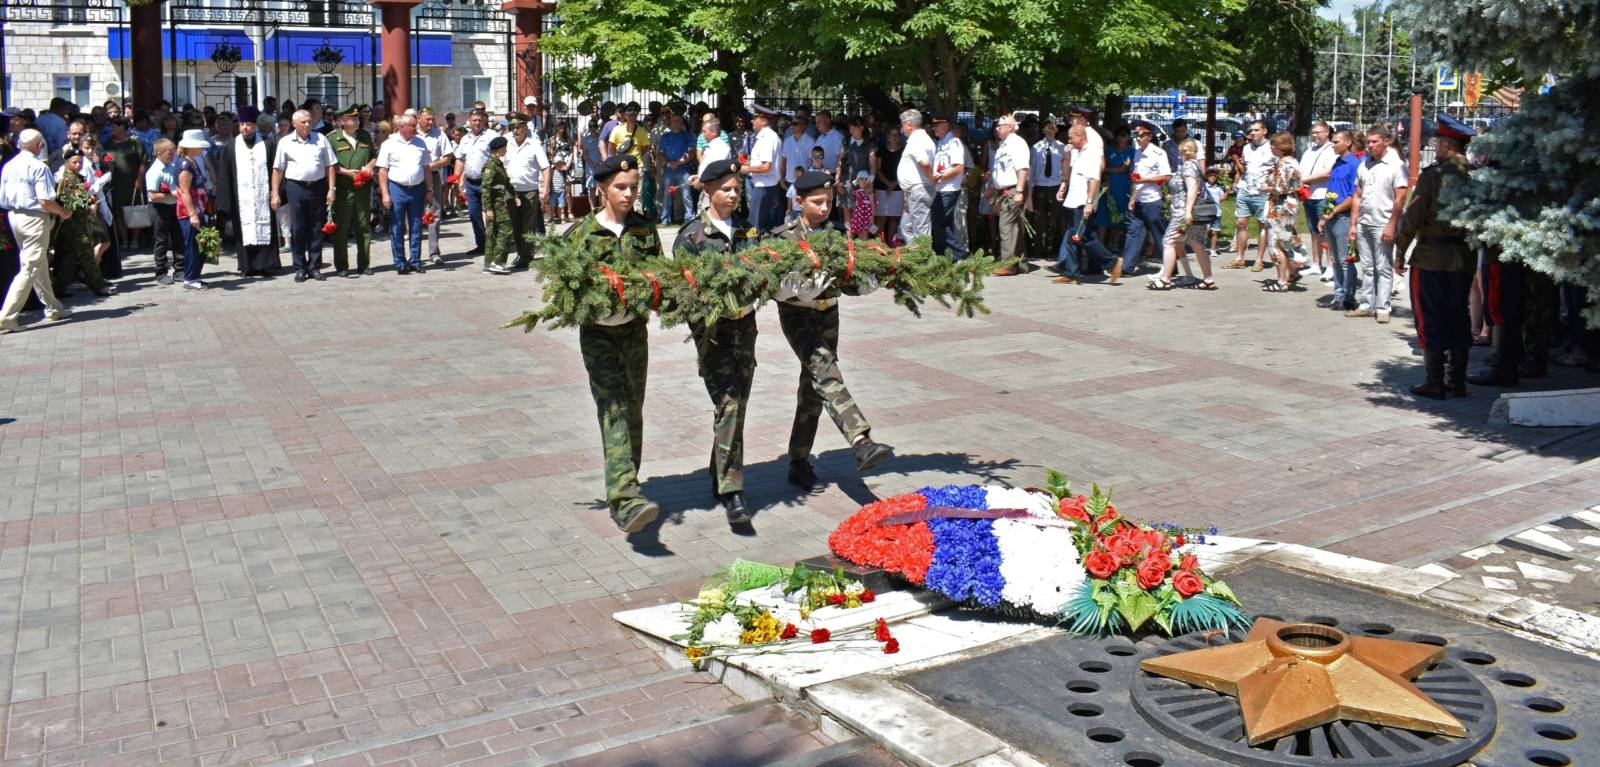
1041,505
1039,564
854,589
724,631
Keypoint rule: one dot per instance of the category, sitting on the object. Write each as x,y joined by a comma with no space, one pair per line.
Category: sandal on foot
1258,267
1206,285
1159,285
1235,264
1275,287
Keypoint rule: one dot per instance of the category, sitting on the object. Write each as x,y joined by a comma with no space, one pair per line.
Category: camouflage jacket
699,236
1440,246
795,231
497,187
638,241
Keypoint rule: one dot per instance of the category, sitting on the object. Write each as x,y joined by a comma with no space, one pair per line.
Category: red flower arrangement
891,647
108,158
452,179
362,179
330,228
789,631
428,218
819,636
905,550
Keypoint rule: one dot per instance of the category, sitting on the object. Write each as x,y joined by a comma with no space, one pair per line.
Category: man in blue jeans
1079,195
675,145
1147,216
472,153
405,185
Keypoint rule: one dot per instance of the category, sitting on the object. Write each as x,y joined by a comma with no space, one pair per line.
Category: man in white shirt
1379,199
303,168
915,176
831,141
1148,216
1250,196
407,188
442,151
471,155
949,170
1008,179
1084,116
796,151
1079,196
28,192
1316,165
529,168
766,191
1045,179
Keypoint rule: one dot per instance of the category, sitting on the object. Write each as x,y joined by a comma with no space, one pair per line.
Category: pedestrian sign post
1446,79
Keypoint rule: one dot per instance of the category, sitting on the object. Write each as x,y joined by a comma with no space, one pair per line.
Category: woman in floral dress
1283,205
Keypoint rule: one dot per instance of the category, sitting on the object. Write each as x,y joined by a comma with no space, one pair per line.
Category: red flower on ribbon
362,179
818,636
881,630
867,596
1100,564
1187,584
1153,571
428,218
330,228
835,599
891,647
789,631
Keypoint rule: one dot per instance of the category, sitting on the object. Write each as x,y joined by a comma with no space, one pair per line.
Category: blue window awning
195,44
297,46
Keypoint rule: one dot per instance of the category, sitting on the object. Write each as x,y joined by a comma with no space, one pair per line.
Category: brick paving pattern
353,522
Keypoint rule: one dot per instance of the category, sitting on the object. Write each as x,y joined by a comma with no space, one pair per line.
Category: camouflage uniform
499,236
74,244
726,353
616,358
352,207
1441,276
813,333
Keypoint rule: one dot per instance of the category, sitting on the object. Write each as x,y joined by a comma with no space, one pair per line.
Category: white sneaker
1383,318
194,285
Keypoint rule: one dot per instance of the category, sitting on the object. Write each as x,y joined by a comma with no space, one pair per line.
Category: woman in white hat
194,198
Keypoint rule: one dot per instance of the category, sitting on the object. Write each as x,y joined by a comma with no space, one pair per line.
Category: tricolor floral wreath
584,283
1044,554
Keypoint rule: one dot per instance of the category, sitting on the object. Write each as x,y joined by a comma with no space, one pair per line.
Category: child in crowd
861,226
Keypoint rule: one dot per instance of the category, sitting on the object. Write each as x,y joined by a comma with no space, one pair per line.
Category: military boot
1458,373
634,515
801,474
737,513
869,454
1433,369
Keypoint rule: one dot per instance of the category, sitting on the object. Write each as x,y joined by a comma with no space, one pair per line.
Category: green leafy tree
1538,199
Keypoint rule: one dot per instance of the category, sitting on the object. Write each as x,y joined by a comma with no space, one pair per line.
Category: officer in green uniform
616,350
352,207
726,350
1442,266
498,201
808,312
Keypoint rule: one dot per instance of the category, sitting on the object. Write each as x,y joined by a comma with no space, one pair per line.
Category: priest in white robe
249,168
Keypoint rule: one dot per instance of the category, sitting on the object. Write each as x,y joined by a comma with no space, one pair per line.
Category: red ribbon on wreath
775,255
655,290
616,284
850,261
688,277
805,247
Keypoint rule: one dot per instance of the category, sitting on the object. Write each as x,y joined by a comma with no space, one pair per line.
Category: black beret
613,165
811,180
718,170
498,142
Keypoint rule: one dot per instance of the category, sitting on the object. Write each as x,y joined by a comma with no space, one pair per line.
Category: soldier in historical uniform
616,350
808,312
352,207
498,200
726,350
1442,266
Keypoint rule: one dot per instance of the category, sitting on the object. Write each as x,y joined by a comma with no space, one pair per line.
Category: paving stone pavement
354,522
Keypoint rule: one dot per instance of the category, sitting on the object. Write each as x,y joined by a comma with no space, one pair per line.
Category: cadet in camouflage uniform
616,350
727,349
74,242
499,232
808,312
352,207
1442,265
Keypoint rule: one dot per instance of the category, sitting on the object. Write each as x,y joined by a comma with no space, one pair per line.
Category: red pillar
396,64
1414,131
529,64
144,34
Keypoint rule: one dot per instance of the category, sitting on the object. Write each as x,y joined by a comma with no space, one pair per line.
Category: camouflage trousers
527,221
616,358
352,210
814,336
499,236
727,356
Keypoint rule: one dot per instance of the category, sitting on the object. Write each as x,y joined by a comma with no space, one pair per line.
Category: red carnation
330,228
1076,238
164,188
1153,571
462,198
362,179
744,159
452,178
1100,564
835,599
428,218
1188,562
1187,584
818,636
789,631
107,158
1177,540
903,549
672,189
866,596
891,647
881,630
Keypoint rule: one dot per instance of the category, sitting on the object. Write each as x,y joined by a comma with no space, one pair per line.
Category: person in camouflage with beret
616,350
726,350
808,312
